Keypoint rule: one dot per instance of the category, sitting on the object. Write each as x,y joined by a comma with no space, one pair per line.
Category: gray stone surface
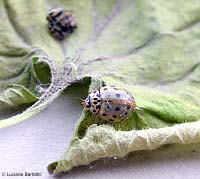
31,145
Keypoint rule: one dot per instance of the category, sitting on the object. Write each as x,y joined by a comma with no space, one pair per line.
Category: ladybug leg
137,108
105,122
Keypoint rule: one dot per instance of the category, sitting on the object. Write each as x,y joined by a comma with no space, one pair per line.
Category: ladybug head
93,102
87,102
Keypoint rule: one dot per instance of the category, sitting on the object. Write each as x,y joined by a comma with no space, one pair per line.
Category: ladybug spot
104,114
105,88
108,107
128,107
126,113
111,120
95,98
59,24
94,111
117,109
88,106
54,16
94,102
114,116
98,107
118,95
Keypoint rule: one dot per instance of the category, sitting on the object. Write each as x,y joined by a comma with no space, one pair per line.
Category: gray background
31,145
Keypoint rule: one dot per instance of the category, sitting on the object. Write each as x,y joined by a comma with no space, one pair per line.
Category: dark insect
61,22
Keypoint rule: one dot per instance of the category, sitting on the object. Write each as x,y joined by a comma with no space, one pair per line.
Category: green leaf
16,95
148,47
25,66
42,71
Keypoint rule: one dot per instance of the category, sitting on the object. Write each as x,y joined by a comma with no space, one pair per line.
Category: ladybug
61,22
110,104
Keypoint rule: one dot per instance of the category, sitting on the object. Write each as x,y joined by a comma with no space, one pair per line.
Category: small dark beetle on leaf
61,22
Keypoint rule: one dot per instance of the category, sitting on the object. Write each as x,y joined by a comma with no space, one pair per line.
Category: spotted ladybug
110,103
61,22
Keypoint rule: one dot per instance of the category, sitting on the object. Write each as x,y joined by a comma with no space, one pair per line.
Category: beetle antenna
80,98
82,101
